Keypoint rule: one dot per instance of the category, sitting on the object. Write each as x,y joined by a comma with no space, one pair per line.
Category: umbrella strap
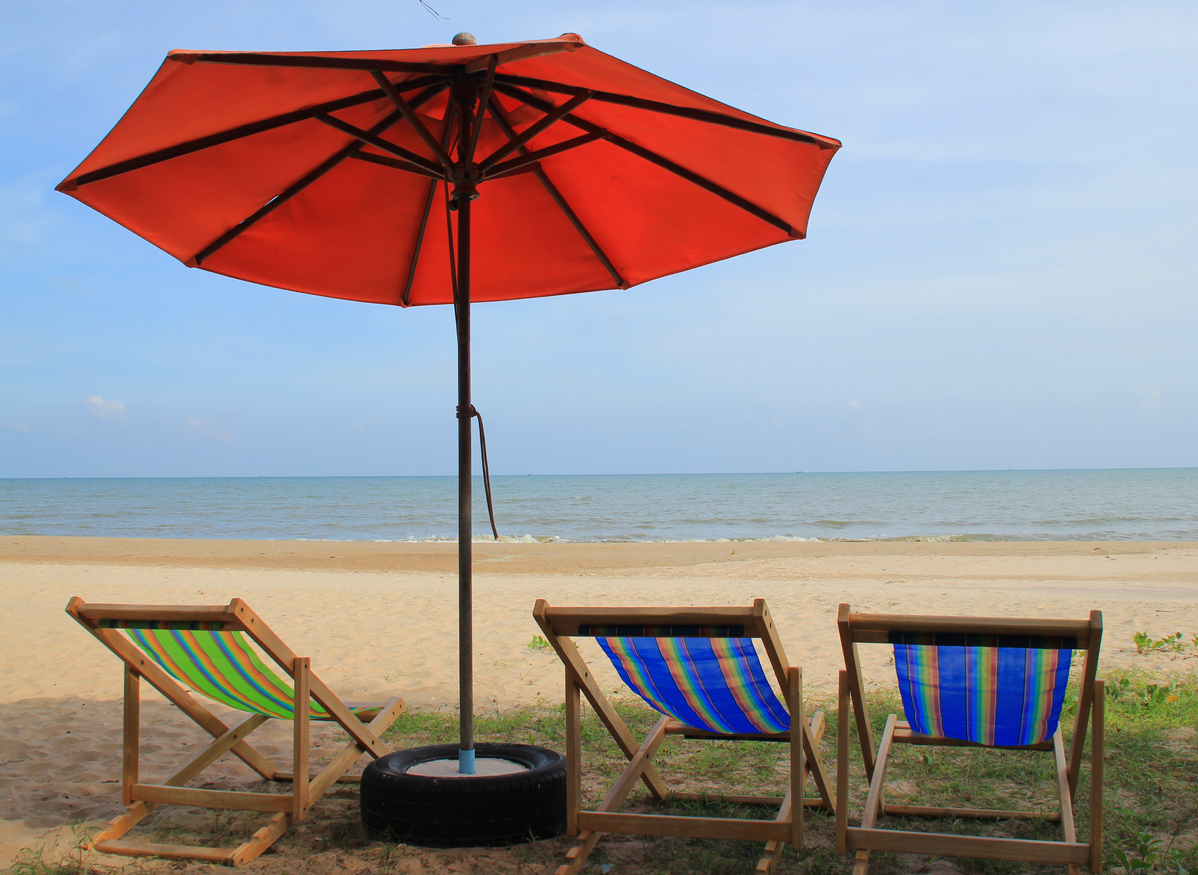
482,443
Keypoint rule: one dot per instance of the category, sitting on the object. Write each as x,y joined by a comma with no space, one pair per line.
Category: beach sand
380,619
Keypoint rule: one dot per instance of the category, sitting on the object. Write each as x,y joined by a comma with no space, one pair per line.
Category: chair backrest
696,665
979,689
221,665
213,649
987,680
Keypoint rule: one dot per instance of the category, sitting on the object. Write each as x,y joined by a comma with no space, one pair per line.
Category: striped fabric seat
715,684
222,665
983,691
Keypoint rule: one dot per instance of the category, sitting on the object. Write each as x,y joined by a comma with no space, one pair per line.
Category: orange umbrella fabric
302,171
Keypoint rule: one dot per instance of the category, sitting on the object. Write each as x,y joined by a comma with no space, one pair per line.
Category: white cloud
106,410
854,405
222,435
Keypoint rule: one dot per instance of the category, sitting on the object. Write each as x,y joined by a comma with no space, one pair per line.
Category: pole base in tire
517,794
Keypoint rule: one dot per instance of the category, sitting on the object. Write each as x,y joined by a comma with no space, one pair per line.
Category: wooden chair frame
875,629
141,798
561,624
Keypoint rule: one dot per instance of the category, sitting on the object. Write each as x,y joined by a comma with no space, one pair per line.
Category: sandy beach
379,619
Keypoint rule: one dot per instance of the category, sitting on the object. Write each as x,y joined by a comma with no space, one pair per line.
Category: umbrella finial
465,39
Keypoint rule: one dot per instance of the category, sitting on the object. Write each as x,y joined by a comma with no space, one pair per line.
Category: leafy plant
539,643
1145,643
1148,855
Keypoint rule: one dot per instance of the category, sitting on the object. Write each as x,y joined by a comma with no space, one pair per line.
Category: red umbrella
335,173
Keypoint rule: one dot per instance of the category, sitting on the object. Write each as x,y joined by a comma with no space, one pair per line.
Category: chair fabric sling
223,666
699,668
974,681
709,683
218,651
1000,694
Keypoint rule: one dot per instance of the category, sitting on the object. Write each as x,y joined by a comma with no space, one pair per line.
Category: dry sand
380,620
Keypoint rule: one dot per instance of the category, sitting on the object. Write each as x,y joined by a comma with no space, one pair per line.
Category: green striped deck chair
974,682
223,652
699,668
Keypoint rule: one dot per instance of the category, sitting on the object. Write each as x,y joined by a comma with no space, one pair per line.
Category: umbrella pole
462,196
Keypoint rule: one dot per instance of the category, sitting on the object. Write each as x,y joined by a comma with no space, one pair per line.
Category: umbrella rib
559,199
437,86
428,207
557,114
660,160
702,115
523,53
397,164
378,142
266,59
483,99
409,113
515,164
287,194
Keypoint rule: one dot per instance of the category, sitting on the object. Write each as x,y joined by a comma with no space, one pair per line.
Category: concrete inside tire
468,811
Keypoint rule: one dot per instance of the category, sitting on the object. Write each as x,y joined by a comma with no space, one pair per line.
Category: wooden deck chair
974,682
205,648
699,668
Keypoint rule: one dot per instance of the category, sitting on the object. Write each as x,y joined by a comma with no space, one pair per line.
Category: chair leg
798,755
131,705
798,790
573,754
638,764
1064,795
301,744
873,802
1097,760
261,840
842,764
773,849
120,824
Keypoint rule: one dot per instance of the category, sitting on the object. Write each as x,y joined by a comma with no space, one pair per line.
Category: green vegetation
1174,643
1151,773
1151,823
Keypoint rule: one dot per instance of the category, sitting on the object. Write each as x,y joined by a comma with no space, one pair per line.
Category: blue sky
1000,270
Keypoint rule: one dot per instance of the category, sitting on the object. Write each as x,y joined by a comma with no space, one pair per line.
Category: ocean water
1135,504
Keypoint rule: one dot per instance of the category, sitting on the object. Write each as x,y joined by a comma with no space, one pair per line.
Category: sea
1111,504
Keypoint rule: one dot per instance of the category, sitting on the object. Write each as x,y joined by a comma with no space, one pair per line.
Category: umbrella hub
465,174
465,184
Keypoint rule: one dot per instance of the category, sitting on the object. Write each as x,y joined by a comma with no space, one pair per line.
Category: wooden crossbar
1024,850
685,827
874,628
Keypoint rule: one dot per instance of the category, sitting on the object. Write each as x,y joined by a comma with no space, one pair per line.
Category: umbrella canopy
336,173
316,172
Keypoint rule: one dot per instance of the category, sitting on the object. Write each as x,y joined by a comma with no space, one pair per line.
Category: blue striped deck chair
698,667
980,682
222,652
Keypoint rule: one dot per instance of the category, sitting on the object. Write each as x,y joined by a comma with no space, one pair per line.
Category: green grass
1151,794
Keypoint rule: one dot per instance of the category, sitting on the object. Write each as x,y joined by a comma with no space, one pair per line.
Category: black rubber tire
465,812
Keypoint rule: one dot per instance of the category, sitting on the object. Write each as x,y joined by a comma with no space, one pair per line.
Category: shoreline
521,557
